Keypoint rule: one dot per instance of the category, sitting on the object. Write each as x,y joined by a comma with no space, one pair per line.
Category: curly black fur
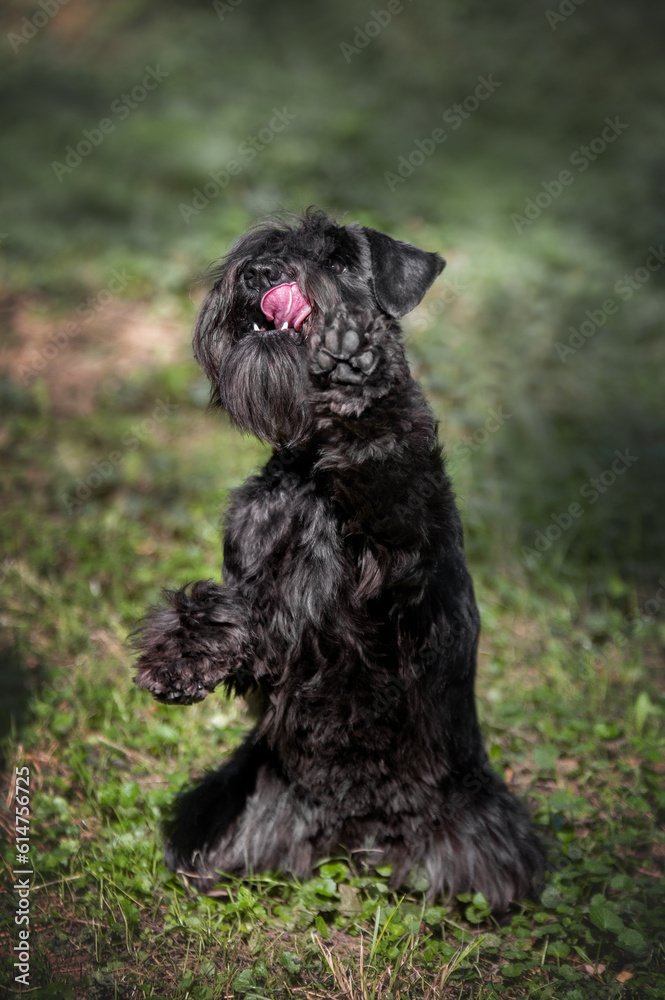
346,603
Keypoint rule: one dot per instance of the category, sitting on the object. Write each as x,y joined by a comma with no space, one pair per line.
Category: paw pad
343,357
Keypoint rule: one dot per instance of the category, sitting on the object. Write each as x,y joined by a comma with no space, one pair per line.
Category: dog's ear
401,272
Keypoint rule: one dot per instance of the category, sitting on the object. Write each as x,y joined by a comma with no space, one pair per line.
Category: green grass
113,475
570,701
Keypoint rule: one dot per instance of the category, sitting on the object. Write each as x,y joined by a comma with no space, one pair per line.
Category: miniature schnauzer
347,612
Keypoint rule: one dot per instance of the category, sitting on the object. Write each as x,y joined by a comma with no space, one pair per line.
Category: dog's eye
336,267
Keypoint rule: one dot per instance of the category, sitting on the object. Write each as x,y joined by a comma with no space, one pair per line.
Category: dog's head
271,292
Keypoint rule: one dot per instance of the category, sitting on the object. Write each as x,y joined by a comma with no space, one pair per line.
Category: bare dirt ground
80,355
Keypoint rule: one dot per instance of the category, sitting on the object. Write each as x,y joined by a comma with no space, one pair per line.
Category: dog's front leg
357,359
377,436
199,640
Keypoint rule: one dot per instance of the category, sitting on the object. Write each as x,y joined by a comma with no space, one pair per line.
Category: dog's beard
262,386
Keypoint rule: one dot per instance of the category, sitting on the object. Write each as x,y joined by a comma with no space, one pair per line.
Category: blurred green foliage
357,94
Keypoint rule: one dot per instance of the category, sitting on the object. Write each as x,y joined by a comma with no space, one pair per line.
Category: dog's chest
284,539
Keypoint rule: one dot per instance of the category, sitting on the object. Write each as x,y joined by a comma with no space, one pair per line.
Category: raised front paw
173,680
195,643
343,352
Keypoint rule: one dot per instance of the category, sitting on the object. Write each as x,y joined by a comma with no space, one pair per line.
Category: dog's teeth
256,326
285,326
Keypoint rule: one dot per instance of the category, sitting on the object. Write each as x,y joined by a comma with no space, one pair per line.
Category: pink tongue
285,304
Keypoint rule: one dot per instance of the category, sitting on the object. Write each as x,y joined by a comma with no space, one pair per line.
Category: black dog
346,605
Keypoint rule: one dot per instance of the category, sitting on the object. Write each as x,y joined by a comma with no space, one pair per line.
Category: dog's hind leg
484,842
203,815
246,818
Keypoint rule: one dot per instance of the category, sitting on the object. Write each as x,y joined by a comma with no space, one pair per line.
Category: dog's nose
262,276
